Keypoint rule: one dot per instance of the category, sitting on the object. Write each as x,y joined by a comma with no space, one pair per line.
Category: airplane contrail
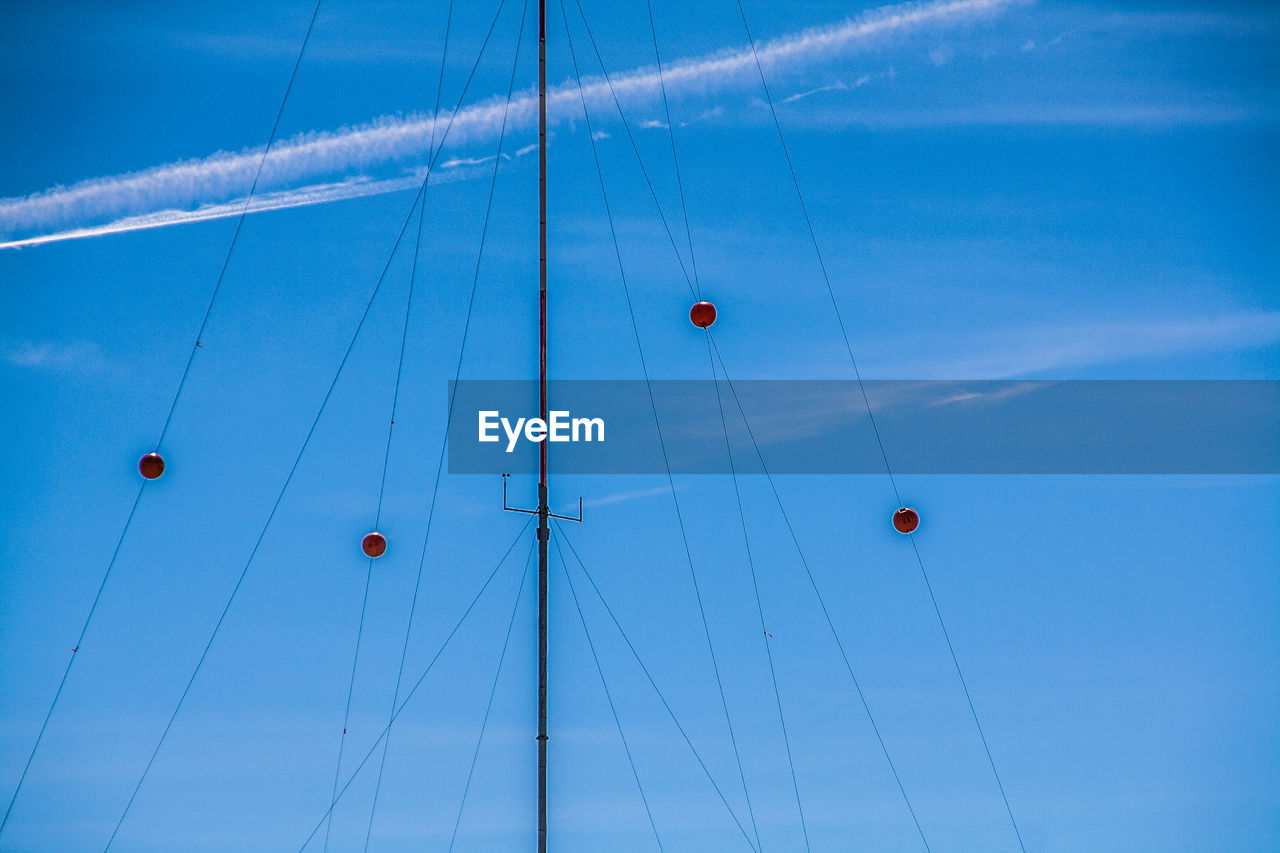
319,167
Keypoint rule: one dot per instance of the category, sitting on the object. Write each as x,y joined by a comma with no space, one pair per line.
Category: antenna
543,511
544,530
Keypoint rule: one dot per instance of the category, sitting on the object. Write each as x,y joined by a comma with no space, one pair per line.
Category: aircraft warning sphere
906,520
151,466
374,544
703,314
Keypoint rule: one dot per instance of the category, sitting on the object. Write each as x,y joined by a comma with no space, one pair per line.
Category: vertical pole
544,531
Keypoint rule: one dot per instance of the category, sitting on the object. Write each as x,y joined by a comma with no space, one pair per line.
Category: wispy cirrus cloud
838,86
1115,114
624,497
318,167
60,356
1034,350
352,188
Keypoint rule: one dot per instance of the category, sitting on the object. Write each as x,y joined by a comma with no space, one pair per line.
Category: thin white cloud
941,55
1264,20
299,167
1032,351
623,497
807,413
1008,354
1138,114
61,356
966,397
470,161
317,194
837,86
704,116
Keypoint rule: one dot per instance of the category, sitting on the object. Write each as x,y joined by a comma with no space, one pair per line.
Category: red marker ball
906,520
703,314
151,466
374,544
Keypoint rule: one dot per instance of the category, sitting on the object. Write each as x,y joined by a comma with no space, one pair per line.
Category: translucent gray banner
821,427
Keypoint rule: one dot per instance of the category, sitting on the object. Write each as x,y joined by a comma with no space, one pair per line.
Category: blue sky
1032,190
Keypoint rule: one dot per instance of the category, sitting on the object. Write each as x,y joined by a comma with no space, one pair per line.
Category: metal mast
544,531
